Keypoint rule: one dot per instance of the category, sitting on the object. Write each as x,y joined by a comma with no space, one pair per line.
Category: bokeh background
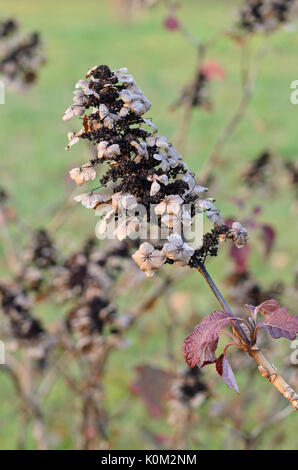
34,170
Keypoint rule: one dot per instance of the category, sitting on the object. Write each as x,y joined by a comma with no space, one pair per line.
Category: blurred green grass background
34,167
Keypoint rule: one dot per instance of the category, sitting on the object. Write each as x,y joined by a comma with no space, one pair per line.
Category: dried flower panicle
142,169
88,321
266,15
21,56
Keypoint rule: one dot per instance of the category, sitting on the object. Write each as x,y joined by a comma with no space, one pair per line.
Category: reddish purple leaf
200,346
153,386
267,307
268,234
225,371
281,324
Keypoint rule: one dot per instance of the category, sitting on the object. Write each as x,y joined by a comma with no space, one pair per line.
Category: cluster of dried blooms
143,169
266,15
21,56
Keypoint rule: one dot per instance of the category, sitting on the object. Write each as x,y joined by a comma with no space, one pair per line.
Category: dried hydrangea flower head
141,169
266,15
21,56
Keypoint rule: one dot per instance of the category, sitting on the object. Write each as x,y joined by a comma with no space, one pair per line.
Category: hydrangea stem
266,369
201,268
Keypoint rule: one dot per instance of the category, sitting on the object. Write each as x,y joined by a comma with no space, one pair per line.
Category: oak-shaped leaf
225,371
281,323
199,347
